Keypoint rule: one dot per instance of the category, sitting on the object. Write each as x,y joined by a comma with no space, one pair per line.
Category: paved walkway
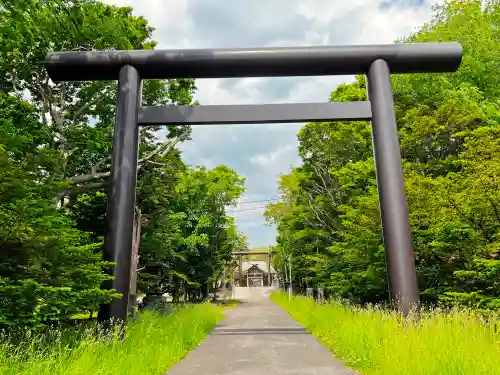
257,338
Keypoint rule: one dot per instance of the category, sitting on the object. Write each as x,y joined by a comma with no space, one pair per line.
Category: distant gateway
254,274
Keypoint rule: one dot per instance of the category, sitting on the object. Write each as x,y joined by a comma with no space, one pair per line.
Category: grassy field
153,343
375,342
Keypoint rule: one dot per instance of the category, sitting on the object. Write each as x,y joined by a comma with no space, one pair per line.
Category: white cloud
249,214
266,160
262,151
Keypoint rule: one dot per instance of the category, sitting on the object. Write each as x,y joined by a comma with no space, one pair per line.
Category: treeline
328,220
55,142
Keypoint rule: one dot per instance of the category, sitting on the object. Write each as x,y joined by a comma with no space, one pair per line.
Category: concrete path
257,338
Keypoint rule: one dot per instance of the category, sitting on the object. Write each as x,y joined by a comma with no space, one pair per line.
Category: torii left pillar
121,195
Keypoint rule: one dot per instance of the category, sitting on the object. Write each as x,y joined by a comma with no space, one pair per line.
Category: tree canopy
55,142
328,218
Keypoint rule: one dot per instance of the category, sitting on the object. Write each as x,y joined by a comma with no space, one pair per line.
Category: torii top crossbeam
256,62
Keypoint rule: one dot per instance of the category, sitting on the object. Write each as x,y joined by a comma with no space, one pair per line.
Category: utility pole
289,257
285,277
224,285
269,269
240,274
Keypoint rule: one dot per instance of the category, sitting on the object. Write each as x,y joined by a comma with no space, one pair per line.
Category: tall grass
376,342
152,344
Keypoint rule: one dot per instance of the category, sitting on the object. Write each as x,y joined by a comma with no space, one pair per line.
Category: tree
190,240
30,30
55,154
448,127
48,270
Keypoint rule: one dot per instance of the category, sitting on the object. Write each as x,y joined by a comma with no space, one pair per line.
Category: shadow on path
260,331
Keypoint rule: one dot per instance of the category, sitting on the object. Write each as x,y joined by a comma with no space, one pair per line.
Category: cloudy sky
261,152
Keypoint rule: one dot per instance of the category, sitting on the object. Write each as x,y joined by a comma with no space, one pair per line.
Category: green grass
153,343
85,316
376,342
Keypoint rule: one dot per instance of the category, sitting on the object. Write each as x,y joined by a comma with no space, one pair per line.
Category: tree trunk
175,296
205,291
132,302
176,290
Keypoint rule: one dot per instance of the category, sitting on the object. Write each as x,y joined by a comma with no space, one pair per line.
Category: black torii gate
376,61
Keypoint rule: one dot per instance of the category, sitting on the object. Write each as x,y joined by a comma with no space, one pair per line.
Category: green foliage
48,270
54,168
329,222
190,239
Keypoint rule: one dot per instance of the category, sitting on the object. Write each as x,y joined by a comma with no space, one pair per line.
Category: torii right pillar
393,207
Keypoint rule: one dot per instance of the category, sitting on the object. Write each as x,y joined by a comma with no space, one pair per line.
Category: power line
254,208
263,200
247,209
